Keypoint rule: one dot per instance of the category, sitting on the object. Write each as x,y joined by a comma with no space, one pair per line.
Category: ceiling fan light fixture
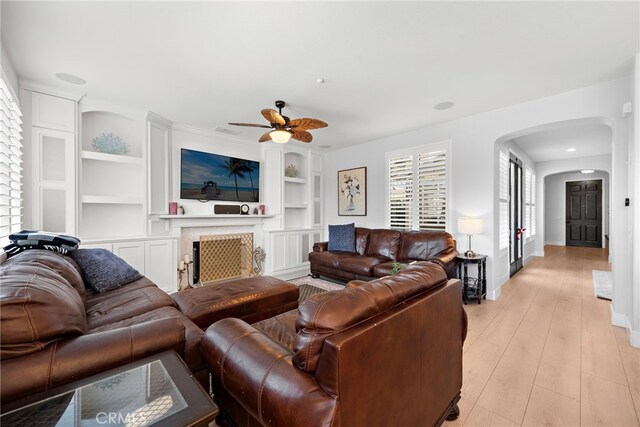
280,136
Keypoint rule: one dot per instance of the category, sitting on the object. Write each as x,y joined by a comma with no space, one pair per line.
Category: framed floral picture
352,192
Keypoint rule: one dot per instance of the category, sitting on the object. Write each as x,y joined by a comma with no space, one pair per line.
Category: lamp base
470,254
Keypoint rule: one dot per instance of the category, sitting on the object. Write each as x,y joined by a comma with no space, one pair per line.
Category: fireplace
225,256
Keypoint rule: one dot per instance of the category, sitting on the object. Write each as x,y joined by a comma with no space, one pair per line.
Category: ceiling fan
283,127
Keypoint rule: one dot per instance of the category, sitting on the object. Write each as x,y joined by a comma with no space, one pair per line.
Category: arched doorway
554,148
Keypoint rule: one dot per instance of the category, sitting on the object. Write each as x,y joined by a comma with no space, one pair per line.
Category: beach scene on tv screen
207,176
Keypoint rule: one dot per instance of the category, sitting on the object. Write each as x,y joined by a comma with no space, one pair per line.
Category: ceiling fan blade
252,125
273,116
266,137
306,123
301,135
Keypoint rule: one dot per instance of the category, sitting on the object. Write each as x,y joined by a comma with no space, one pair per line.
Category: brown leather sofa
378,249
53,331
382,353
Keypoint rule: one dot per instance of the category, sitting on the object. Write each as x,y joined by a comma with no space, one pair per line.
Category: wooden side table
473,288
158,390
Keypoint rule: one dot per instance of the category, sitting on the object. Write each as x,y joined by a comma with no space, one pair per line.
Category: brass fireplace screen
226,256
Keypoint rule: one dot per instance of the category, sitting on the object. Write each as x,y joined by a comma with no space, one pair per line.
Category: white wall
196,139
474,159
632,313
555,201
9,72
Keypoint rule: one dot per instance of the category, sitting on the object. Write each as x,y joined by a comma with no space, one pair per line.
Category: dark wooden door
584,213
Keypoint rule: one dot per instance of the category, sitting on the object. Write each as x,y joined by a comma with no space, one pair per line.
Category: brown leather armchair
377,250
379,353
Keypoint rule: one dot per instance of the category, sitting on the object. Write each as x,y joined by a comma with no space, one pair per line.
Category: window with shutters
418,184
527,203
503,200
532,204
10,164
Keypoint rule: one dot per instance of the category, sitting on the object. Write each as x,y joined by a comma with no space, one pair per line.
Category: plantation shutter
10,165
527,202
432,190
418,188
400,192
503,242
533,204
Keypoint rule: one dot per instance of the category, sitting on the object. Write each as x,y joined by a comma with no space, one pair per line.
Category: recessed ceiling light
324,146
571,150
587,171
70,78
320,80
444,105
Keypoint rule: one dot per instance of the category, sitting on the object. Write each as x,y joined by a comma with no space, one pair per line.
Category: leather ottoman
251,299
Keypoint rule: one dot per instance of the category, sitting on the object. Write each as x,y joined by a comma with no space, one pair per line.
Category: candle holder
181,272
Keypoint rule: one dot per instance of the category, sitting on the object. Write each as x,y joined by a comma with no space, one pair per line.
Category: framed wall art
352,192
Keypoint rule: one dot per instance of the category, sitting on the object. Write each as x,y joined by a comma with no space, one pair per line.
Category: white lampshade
280,136
469,225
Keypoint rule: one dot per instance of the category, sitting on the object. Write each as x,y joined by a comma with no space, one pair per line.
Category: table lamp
469,226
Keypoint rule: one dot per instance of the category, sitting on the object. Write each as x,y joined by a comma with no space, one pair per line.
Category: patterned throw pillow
28,239
103,270
342,238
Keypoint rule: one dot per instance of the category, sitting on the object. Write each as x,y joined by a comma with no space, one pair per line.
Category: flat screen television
208,176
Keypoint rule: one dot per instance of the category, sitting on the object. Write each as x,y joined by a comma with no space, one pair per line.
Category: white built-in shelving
112,200
104,157
296,189
295,180
112,187
297,202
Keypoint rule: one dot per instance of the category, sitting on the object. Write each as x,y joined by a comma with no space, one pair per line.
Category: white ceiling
386,64
587,139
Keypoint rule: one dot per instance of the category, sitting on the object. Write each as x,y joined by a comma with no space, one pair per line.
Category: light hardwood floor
545,352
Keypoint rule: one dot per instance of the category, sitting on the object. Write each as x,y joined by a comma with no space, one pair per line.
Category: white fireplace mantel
185,221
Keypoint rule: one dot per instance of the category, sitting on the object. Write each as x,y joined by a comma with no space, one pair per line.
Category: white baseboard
634,338
292,273
494,294
555,243
618,319
622,321
540,253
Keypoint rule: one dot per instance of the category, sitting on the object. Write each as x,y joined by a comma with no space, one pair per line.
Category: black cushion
103,270
342,238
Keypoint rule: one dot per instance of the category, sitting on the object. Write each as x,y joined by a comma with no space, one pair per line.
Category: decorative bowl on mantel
110,144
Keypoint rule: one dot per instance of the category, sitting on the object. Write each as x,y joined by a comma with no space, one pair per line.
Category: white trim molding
494,294
622,321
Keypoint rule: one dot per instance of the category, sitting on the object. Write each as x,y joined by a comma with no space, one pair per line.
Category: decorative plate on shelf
110,144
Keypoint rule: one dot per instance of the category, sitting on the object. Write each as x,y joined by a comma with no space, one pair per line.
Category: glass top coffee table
158,390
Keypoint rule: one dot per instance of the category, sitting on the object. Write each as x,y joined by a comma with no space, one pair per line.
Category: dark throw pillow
103,270
28,239
342,238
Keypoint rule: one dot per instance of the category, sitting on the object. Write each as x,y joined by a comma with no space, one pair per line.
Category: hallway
545,352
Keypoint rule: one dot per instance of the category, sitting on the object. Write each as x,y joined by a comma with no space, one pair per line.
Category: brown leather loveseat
54,332
382,353
378,249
